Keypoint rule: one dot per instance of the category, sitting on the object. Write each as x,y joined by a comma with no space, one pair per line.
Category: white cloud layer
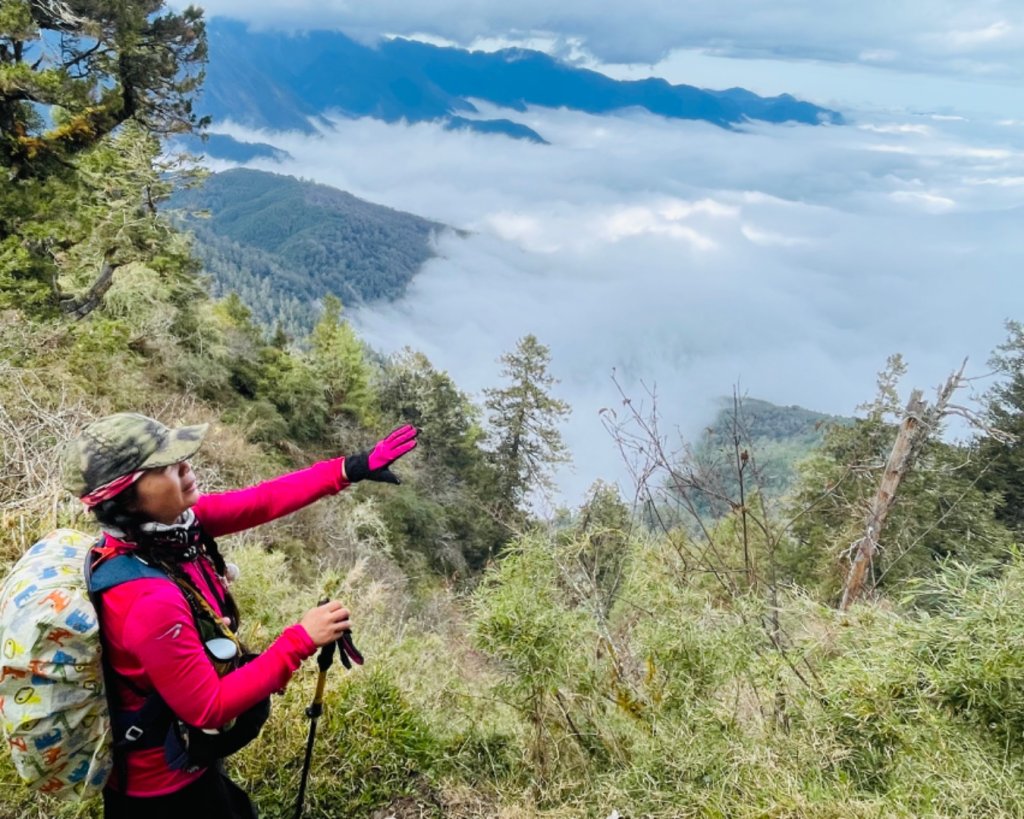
788,260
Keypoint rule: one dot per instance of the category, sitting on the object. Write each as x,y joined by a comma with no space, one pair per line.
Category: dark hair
118,512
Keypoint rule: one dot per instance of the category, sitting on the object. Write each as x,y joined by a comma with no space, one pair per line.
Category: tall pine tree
524,425
339,361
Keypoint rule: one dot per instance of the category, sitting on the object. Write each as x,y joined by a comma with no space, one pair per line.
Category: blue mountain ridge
279,81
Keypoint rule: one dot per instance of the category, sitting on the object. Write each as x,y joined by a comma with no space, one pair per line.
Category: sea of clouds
783,261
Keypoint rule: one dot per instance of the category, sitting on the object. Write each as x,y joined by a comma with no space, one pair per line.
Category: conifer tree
524,422
91,66
339,361
86,91
414,391
1002,461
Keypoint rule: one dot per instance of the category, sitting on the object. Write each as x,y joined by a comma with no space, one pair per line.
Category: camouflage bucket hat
121,444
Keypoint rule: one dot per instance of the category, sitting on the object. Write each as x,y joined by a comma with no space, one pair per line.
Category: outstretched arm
223,513
226,512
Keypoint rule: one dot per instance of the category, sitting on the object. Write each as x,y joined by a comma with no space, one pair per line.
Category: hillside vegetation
283,244
689,654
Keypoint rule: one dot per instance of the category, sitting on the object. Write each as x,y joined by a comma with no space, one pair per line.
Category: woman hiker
172,633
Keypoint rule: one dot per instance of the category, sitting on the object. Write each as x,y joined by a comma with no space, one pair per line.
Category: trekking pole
347,651
315,709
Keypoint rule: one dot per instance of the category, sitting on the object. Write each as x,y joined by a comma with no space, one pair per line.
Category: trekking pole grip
324,660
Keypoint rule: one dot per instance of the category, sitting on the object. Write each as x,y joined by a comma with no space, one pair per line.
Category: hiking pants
212,795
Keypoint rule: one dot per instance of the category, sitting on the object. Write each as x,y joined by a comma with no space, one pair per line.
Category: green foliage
523,418
1000,462
597,665
595,550
457,483
338,363
82,188
59,233
372,747
417,522
294,388
114,62
411,389
904,713
523,621
972,646
778,437
270,392
922,706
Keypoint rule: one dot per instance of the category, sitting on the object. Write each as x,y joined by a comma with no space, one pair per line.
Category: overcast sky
825,51
789,260
982,37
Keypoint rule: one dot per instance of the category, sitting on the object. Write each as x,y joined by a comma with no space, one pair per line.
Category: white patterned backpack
53,707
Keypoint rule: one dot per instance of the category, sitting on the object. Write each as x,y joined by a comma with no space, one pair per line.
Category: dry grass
37,420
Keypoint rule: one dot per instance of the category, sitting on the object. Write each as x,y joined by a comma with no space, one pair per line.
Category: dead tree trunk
898,464
919,420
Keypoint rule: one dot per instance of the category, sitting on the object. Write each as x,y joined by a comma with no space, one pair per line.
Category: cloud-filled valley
788,260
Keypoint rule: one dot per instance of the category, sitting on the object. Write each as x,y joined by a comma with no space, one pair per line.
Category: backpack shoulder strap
117,570
148,726
111,572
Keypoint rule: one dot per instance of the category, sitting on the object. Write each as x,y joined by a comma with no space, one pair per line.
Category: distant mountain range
279,81
283,243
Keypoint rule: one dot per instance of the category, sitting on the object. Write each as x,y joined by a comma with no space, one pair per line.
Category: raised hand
373,465
393,447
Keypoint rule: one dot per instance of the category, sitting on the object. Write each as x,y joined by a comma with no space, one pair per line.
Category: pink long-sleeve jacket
152,640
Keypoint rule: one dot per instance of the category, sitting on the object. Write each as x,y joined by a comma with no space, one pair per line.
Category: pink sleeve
160,631
225,512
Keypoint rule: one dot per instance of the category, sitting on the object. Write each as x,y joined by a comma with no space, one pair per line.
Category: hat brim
181,444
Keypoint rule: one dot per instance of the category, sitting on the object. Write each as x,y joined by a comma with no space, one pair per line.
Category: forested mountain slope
283,244
778,438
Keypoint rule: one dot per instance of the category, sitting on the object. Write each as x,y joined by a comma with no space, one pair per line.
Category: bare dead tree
920,421
912,430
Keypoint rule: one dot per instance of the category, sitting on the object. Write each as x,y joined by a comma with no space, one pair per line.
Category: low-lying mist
787,261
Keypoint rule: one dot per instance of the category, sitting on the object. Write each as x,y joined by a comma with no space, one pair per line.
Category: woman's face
162,494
